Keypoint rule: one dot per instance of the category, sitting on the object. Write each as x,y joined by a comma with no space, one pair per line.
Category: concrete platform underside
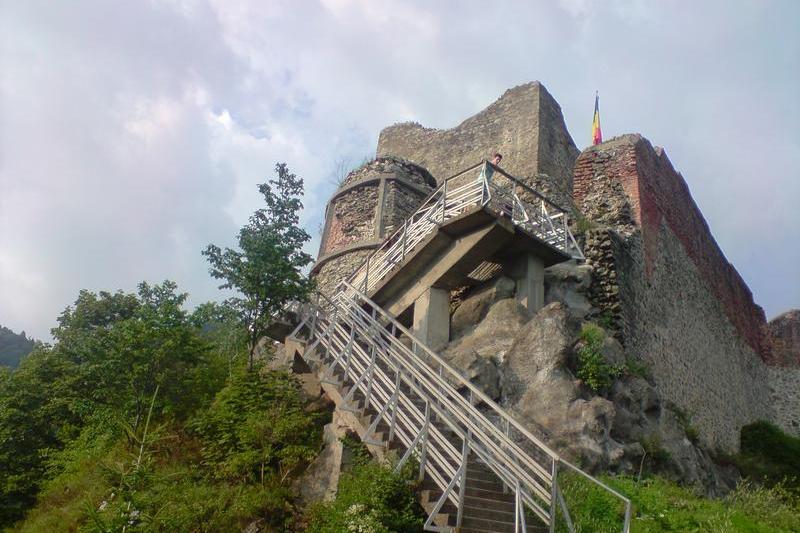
448,255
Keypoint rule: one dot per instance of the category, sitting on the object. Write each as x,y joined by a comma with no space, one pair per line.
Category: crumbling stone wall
370,204
784,373
784,386
331,273
353,219
525,125
657,192
400,204
683,309
784,330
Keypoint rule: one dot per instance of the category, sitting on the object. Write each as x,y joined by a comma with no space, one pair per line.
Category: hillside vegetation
13,347
145,417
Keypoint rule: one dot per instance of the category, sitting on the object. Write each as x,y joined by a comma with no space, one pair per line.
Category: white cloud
133,134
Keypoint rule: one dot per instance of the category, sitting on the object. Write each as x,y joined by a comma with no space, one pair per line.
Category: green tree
266,269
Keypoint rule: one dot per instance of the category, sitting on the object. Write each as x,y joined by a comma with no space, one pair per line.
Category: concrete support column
529,275
432,318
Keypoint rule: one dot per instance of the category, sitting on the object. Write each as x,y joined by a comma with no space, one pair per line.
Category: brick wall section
657,192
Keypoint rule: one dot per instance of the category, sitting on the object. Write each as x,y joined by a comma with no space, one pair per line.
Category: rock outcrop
528,365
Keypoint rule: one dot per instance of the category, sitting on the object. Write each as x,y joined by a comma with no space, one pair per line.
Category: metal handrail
361,339
455,196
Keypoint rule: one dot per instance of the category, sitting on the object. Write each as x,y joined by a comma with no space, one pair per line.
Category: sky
133,134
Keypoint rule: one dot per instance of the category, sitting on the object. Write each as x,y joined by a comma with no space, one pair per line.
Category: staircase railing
439,417
491,187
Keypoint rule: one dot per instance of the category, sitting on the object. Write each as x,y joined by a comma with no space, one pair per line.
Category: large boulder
476,304
569,284
481,354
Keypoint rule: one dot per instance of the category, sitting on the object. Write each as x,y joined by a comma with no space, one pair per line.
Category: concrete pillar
529,275
432,318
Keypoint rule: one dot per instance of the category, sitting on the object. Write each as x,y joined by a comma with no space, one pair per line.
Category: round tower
369,205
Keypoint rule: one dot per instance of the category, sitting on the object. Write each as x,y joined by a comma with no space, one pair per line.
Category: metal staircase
481,470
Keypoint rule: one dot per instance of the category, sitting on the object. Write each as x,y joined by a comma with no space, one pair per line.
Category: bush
770,456
258,427
371,498
593,368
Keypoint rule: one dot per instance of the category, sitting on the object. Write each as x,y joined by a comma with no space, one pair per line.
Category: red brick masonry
657,192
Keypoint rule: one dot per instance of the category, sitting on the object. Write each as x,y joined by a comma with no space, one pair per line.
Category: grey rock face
525,364
569,283
475,306
481,354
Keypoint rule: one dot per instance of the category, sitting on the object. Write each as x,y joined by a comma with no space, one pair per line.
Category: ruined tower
525,125
369,205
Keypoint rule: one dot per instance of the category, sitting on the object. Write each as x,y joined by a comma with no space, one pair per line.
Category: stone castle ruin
701,361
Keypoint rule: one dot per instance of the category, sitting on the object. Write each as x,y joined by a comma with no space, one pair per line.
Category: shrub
770,456
258,427
371,498
593,368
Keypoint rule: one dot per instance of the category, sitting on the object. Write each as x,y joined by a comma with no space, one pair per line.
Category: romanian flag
597,133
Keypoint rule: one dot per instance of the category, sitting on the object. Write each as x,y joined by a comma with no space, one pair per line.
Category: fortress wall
684,309
674,321
657,192
352,219
525,125
784,385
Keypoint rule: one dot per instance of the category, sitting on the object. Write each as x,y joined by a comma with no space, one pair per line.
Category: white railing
480,186
438,416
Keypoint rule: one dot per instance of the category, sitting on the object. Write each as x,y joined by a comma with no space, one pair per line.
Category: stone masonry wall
525,125
400,203
657,192
353,219
785,335
676,324
784,385
683,308
331,273
371,202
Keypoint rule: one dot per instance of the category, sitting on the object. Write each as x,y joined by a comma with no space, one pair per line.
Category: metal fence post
444,199
366,275
423,456
553,495
405,233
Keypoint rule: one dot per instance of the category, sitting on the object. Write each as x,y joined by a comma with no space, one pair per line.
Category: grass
660,505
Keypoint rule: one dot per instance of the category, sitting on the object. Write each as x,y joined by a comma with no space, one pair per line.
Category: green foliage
111,353
371,498
685,421
593,368
770,456
583,225
266,269
258,428
13,347
655,454
661,506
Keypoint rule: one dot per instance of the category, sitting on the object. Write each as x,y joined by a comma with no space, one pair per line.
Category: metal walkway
483,187
481,470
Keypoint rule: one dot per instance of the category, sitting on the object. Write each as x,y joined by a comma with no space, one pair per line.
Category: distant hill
13,347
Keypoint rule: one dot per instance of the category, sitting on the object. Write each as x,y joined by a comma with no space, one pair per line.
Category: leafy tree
258,428
266,270
13,347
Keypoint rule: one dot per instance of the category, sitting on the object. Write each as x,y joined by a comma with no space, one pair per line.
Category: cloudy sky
132,133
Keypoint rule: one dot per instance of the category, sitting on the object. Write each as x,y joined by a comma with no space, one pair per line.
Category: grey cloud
87,201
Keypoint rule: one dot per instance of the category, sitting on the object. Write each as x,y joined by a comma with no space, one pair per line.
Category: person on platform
487,169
